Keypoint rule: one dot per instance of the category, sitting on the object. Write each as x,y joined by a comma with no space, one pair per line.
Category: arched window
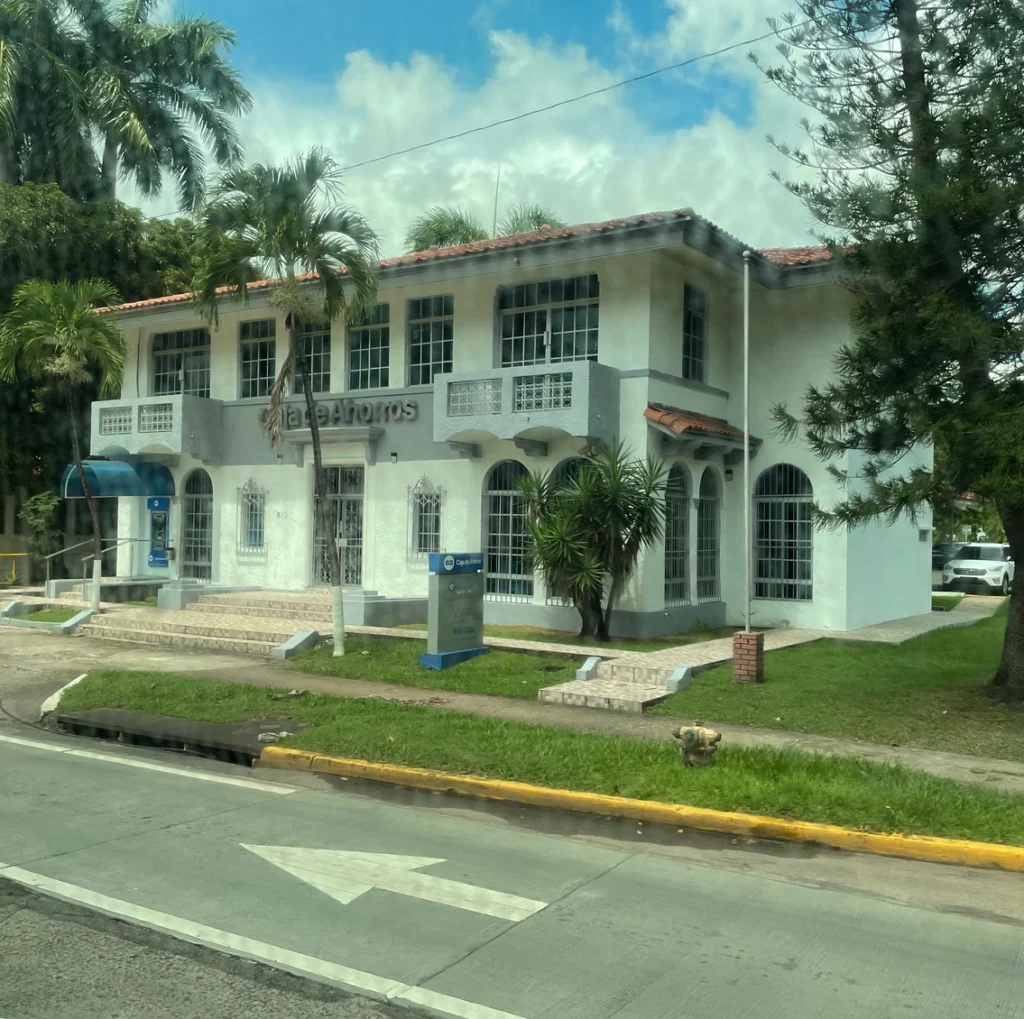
568,470
677,516
507,576
709,585
783,534
197,527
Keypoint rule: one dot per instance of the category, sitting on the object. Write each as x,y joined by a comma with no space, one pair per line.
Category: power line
562,102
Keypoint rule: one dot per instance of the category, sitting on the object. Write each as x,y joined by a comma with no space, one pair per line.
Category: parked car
943,552
979,566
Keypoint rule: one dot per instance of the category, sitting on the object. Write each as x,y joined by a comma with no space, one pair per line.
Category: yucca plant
586,529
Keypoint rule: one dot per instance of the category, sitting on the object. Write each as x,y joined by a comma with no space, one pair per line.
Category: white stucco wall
794,335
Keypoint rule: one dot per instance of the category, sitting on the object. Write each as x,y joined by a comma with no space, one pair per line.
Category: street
461,910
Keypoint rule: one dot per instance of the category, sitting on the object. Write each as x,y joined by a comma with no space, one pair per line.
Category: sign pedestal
455,612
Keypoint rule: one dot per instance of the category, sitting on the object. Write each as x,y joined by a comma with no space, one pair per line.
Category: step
606,695
184,640
300,598
216,626
317,614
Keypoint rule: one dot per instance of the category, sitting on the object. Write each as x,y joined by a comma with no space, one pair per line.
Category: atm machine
161,555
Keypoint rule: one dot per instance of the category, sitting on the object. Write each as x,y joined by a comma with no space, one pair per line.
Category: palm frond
527,217
443,227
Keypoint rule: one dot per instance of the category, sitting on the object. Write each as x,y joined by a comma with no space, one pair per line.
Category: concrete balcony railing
530,405
158,425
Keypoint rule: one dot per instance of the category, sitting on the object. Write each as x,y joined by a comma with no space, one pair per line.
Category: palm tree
150,86
282,223
56,333
45,131
586,529
443,226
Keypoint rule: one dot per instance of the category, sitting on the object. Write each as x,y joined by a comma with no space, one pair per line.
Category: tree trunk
90,502
588,620
108,187
1009,677
320,484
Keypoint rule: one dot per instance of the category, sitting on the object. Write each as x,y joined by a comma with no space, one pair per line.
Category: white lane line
131,762
52,702
345,977
444,1005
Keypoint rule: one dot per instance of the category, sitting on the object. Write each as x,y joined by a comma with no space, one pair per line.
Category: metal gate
345,513
197,527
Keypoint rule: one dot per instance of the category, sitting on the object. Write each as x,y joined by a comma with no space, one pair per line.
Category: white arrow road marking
246,948
346,875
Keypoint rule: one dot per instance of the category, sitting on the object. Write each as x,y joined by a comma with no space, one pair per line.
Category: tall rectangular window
549,322
181,363
695,317
315,340
424,518
259,356
369,350
431,338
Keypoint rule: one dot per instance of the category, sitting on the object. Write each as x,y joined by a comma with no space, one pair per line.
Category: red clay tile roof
679,422
780,256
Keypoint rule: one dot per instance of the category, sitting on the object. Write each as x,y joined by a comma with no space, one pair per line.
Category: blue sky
362,80
311,46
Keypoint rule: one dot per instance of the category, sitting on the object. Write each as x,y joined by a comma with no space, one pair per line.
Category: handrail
92,555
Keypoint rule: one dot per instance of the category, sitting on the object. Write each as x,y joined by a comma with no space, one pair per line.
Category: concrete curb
909,847
300,641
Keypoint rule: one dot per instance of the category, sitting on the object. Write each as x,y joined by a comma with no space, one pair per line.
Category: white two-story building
482,362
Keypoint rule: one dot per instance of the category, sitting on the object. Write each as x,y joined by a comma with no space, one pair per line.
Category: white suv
979,565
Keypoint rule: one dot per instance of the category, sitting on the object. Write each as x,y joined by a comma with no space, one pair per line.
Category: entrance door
197,527
345,512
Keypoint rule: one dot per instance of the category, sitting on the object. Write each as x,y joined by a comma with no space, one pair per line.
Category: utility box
455,612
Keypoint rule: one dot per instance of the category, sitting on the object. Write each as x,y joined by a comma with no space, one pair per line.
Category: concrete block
680,679
301,641
69,626
588,670
13,609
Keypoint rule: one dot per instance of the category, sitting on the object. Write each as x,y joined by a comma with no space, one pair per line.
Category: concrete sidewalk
37,663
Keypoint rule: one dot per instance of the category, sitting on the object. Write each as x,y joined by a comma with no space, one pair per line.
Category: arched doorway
507,578
197,527
709,585
784,534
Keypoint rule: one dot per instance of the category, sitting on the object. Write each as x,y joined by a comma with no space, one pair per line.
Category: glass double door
345,489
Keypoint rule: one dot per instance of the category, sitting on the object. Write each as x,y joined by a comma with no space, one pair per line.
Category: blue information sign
456,562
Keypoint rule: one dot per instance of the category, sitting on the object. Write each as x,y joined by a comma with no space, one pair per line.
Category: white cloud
591,160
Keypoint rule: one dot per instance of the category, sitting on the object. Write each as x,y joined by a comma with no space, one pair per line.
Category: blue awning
112,478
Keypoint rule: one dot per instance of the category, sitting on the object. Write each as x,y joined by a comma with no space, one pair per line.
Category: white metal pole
746,441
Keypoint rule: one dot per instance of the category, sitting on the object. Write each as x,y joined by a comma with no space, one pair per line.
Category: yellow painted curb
910,847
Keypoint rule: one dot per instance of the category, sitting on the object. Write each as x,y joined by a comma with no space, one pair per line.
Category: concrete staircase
245,623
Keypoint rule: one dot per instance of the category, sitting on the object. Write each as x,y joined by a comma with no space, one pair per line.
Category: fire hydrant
697,743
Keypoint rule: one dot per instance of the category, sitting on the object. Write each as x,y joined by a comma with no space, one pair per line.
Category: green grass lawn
695,636
945,602
853,793
51,615
925,693
397,660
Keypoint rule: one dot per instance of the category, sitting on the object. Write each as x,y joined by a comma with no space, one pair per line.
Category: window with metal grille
709,585
197,527
549,322
431,337
507,575
252,506
181,363
695,312
784,534
425,501
259,356
369,350
315,343
677,520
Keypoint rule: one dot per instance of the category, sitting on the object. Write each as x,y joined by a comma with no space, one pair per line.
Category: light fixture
394,458
728,474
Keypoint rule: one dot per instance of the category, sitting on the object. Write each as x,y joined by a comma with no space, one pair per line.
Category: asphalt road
61,962
464,911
